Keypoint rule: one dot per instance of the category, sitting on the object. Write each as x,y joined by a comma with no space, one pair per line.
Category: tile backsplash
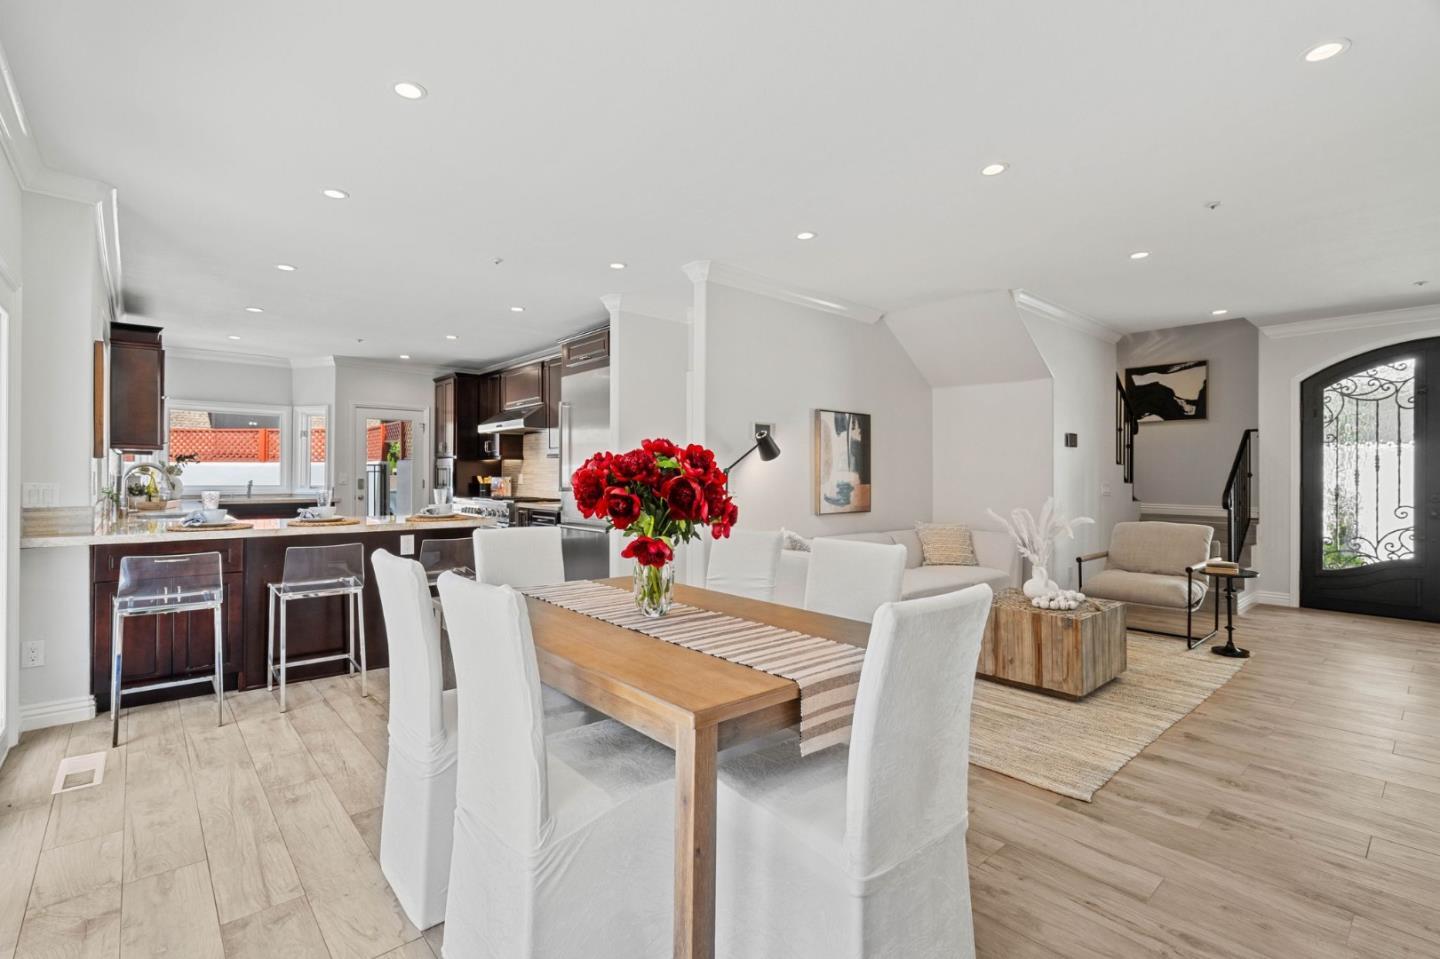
537,474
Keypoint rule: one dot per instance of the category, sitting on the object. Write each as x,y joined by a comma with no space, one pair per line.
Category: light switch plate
407,544
40,496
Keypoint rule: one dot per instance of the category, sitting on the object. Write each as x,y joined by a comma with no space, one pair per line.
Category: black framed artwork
1169,391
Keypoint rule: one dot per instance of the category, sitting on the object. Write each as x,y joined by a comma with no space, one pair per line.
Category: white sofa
999,566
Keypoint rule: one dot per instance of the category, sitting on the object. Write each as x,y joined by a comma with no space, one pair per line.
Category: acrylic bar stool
157,586
315,572
439,556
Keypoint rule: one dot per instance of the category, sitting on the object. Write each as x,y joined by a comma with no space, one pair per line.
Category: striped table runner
827,672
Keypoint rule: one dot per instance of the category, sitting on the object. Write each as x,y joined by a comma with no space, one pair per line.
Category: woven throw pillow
946,544
793,540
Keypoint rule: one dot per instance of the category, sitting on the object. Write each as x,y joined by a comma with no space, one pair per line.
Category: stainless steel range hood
523,419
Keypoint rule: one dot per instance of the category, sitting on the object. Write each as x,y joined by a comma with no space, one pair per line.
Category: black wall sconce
764,443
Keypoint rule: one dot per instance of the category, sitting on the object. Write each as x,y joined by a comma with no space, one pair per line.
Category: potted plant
175,468
658,495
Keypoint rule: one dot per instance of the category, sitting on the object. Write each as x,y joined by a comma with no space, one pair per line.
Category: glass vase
654,589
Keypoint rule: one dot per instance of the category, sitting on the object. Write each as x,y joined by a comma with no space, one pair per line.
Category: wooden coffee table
1066,652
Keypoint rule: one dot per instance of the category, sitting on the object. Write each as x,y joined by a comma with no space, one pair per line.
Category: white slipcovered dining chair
564,843
860,852
851,578
745,564
418,821
521,557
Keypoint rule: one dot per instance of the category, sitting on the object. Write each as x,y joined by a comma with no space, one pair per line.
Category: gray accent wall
1181,463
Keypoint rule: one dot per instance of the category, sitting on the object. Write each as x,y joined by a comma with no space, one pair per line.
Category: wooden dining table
692,702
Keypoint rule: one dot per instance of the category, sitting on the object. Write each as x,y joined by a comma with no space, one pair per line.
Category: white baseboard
1270,598
57,712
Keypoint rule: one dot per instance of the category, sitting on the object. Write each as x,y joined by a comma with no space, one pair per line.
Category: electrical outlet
33,654
1104,489
407,544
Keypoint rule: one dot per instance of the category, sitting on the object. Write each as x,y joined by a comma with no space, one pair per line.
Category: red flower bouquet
660,495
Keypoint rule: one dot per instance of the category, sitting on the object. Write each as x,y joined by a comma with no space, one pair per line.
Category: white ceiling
561,136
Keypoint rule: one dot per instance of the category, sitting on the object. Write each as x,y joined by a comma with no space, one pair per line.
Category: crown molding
224,356
18,145
365,363
1036,306
24,156
312,362
612,304
713,271
1353,321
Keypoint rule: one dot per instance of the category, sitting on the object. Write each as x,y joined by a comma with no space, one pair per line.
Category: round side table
1230,576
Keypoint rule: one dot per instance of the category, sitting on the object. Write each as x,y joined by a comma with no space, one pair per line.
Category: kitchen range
508,440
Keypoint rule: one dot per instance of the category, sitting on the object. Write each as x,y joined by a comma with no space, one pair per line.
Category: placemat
423,518
827,672
207,527
332,521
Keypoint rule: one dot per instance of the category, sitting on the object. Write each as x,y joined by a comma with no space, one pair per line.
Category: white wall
1285,361
992,450
219,381
66,311
359,384
1087,480
1186,462
762,360
649,372
64,319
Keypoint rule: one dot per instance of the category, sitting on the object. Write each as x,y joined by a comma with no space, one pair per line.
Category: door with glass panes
1370,485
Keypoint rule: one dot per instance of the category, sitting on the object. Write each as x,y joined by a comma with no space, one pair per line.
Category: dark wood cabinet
169,646
587,350
552,405
137,387
444,417
489,402
522,387
459,398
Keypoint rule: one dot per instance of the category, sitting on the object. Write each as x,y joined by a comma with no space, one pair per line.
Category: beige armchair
1153,566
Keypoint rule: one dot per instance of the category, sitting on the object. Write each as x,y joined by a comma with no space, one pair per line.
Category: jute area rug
1073,748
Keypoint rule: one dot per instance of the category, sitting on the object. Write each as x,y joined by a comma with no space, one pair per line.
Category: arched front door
1370,484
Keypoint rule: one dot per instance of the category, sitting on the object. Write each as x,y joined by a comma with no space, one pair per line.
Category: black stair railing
1236,500
1127,424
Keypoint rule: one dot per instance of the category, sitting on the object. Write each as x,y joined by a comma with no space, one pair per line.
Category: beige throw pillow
946,544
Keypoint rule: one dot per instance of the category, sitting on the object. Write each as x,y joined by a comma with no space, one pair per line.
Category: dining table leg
695,842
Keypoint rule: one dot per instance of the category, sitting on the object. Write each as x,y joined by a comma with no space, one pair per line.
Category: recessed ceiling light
1218,312
410,91
1139,254
253,309
617,266
335,194
232,336
1326,50
404,356
517,309
807,235
994,169
451,336
285,267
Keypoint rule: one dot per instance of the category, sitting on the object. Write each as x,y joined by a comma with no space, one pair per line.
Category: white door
390,461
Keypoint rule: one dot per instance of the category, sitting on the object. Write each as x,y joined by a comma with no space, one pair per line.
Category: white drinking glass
440,496
324,497
210,499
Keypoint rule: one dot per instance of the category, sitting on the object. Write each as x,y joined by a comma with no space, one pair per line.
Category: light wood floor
1296,813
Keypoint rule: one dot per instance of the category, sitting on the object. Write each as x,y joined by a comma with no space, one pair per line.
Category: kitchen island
176,646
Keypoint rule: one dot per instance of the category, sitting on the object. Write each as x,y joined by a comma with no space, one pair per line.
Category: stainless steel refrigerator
584,431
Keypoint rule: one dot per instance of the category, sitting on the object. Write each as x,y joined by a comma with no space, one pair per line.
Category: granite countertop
77,527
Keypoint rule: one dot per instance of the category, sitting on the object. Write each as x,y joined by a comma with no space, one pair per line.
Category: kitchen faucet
249,489
163,481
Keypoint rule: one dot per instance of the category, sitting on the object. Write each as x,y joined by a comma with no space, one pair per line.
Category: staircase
1237,523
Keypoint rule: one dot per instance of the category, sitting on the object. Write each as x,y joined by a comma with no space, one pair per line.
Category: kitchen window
235,445
312,447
